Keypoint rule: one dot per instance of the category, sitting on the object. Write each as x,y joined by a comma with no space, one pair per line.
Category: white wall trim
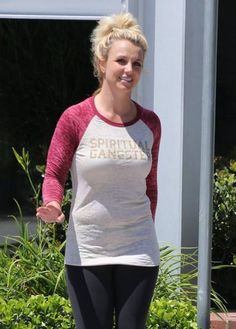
68,8
50,17
169,105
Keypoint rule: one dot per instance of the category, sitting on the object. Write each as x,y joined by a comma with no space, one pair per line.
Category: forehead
125,48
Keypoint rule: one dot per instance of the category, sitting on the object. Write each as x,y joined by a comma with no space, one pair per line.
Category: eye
121,61
138,64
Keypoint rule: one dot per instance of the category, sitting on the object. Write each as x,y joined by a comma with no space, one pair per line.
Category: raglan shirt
114,185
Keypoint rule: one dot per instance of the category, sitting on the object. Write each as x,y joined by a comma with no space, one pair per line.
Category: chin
121,86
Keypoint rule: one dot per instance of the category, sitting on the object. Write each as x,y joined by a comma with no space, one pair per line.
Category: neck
114,103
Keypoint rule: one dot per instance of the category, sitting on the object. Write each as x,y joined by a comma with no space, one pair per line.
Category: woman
110,145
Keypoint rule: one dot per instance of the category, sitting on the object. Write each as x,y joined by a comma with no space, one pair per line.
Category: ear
102,65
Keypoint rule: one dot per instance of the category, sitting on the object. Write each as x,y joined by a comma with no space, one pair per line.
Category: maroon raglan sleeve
153,122
60,154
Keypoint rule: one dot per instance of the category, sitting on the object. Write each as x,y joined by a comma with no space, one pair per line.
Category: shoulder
83,107
151,119
78,113
76,118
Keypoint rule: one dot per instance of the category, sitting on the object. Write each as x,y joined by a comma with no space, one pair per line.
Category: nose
128,67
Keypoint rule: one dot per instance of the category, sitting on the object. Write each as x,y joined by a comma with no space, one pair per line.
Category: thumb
60,218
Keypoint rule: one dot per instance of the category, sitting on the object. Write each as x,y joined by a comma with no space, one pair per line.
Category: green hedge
224,212
52,312
224,230
172,314
37,312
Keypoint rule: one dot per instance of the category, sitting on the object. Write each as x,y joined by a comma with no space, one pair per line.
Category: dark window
226,80
45,66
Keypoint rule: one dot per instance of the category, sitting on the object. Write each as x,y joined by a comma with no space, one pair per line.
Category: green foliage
178,272
34,266
172,314
178,275
36,312
224,229
56,232
224,212
24,161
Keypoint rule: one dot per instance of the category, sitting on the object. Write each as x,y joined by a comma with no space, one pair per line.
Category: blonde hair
110,28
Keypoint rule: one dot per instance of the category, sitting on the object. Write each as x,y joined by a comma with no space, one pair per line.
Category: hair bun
117,22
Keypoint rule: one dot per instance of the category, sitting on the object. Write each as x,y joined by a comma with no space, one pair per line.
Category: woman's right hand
51,213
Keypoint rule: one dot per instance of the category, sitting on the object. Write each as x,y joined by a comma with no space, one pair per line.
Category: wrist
55,204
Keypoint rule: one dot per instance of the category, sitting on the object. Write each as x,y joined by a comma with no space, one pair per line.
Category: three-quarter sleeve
60,154
151,180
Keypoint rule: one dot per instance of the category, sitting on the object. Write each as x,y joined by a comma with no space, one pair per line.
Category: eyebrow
125,57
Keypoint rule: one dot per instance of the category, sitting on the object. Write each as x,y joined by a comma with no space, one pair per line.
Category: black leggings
99,292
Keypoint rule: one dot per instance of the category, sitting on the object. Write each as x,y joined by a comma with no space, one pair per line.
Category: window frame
59,9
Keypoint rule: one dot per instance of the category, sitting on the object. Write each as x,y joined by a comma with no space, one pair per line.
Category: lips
127,79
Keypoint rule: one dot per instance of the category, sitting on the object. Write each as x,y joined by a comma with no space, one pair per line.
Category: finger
48,220
61,218
41,209
43,214
51,212
46,216
38,212
54,209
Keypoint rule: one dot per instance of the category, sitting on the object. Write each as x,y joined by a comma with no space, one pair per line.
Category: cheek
137,73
